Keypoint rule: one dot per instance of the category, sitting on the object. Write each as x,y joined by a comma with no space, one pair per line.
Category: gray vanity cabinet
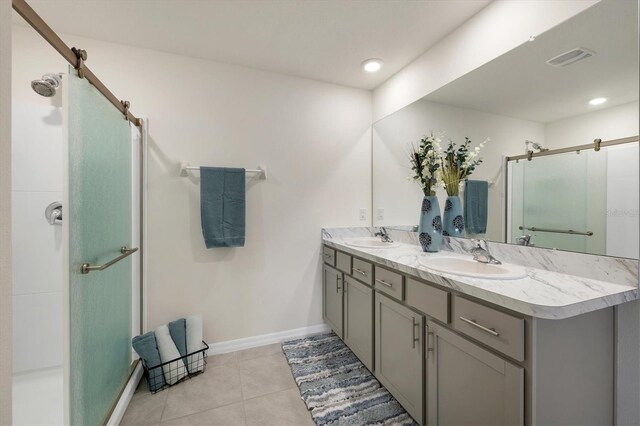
358,320
399,353
332,290
468,385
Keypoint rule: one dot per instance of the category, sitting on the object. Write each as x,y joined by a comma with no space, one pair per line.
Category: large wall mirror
549,185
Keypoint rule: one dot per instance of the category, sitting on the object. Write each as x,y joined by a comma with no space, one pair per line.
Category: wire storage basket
177,370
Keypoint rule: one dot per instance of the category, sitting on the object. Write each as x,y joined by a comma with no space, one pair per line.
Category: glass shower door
99,218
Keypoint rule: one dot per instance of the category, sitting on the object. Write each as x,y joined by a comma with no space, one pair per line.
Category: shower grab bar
557,231
86,267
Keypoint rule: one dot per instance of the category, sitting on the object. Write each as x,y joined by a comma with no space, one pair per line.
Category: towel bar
185,167
86,267
557,231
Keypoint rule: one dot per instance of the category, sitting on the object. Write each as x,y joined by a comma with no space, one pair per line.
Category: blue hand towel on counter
178,332
222,206
147,348
476,200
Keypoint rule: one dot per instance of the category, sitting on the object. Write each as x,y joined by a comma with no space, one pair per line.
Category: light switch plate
380,214
363,214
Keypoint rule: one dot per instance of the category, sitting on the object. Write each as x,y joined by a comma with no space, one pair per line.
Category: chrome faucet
482,255
524,240
384,236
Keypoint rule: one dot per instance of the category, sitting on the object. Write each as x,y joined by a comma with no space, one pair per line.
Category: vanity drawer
503,332
343,262
389,282
428,299
362,270
329,256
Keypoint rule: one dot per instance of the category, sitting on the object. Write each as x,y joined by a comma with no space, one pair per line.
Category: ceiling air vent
570,57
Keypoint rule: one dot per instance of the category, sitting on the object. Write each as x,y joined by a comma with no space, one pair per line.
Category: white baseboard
125,398
265,339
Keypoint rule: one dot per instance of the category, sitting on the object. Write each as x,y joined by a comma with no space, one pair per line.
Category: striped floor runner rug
337,388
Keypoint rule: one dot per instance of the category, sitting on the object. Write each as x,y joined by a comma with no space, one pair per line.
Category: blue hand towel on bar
147,348
476,198
222,206
178,332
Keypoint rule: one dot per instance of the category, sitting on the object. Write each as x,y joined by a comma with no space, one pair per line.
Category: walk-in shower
76,150
47,86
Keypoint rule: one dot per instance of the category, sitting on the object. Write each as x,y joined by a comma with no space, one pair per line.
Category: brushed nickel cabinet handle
414,338
383,282
360,271
428,337
125,252
491,331
338,286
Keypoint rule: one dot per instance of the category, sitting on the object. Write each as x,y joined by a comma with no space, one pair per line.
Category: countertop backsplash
617,270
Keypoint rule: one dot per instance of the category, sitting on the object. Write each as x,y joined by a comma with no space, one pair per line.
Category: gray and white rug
337,388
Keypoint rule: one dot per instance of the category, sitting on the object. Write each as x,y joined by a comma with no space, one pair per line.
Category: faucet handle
477,243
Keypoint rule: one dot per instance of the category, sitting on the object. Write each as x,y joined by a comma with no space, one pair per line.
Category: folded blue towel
222,206
147,348
476,200
178,332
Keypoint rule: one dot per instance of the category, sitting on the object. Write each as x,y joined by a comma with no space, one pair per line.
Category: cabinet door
399,353
358,320
467,385
332,298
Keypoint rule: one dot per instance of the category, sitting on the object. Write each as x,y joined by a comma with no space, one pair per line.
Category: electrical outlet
380,214
363,214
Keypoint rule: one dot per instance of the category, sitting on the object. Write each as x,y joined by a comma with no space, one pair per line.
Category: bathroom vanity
460,350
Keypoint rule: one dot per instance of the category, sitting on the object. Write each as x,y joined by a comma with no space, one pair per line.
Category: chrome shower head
47,85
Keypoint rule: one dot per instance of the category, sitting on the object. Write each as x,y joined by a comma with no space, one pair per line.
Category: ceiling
520,84
322,40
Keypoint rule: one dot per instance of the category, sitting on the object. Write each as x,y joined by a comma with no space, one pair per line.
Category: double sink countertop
541,294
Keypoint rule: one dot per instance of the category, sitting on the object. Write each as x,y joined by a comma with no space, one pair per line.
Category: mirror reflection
558,120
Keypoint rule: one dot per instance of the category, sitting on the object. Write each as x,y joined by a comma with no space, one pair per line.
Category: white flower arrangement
458,164
425,163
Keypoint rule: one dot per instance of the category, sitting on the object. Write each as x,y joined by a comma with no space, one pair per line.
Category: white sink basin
370,243
471,268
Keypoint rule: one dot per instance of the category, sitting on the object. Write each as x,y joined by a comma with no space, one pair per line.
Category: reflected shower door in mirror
584,201
550,97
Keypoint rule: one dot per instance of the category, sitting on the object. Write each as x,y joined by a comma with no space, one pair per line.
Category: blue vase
430,229
453,221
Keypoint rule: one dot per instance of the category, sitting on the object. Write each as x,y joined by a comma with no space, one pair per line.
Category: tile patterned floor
250,387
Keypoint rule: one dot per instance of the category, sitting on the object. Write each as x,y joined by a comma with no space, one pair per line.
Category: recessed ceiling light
597,101
372,65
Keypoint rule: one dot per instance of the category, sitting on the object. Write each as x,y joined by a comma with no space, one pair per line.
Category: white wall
37,245
605,123
6,375
496,29
313,137
393,135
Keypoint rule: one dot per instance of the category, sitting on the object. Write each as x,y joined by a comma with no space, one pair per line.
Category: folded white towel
195,363
168,351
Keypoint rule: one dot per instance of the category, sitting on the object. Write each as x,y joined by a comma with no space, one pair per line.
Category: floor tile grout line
244,409
164,406
207,409
204,411
270,393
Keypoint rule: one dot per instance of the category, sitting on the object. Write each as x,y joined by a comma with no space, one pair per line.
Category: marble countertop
542,294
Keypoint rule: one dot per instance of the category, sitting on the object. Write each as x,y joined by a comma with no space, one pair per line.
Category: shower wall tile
37,331
37,246
37,148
